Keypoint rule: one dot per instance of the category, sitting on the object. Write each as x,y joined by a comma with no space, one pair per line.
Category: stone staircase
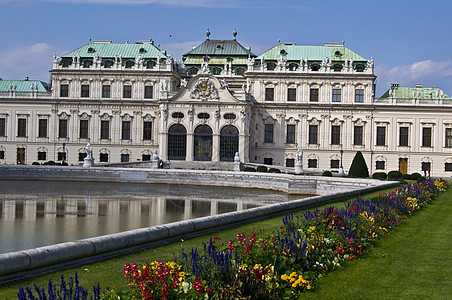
202,165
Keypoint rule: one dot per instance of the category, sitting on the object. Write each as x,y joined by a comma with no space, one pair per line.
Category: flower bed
284,265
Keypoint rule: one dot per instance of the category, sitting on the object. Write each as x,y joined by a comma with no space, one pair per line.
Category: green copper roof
221,47
424,92
104,50
22,85
296,52
215,61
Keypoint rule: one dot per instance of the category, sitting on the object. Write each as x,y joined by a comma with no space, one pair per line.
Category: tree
359,166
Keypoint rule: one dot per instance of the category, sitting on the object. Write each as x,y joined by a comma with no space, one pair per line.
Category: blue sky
410,41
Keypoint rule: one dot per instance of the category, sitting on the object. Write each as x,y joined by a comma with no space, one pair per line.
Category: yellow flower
308,287
311,228
284,277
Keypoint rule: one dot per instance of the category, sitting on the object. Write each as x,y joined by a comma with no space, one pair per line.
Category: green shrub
327,174
249,169
407,176
380,175
420,179
274,170
394,175
415,176
35,163
261,169
359,166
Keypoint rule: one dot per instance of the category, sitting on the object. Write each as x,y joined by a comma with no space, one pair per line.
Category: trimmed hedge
394,175
274,170
379,175
261,169
359,166
249,169
327,174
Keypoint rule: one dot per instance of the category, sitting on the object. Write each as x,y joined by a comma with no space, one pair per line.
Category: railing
26,95
413,102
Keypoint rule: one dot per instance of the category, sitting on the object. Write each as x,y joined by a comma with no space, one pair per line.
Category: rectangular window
2,127
64,90
269,94
146,157
426,166
42,128
2,154
335,135
312,163
105,130
448,137
380,165
268,133
83,129
62,129
84,93
336,95
292,94
403,136
313,131
106,91
290,162
124,157
358,135
61,156
334,164
359,96
290,138
314,95
127,91
147,131
103,157
381,136
42,155
448,167
426,137
268,161
148,92
125,130
21,127
81,156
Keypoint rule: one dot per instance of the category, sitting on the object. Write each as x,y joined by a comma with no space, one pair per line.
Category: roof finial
90,40
279,41
234,34
207,33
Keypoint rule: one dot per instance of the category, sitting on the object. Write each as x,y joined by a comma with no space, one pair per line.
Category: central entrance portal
203,143
177,142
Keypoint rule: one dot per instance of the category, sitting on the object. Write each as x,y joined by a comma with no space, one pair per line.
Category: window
426,166
290,137
312,163
2,127
64,90
108,64
448,137
359,68
292,94
147,131
146,157
127,91
103,157
426,137
193,71
315,67
105,130
83,129
358,135
106,91
239,71
62,129
314,95
81,156
269,94
217,71
229,116
359,95
381,136
148,92
268,133
336,95
335,135
448,167
125,130
87,63
334,163
2,154
124,157
177,115
313,130
42,155
84,93
21,127
203,116
380,165
403,136
337,68
290,162
293,66
268,161
129,64
271,66
42,128
61,156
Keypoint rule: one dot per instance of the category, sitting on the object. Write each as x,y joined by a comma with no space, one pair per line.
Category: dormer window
337,53
129,64
219,47
142,50
193,71
315,67
283,52
108,64
293,66
271,66
216,71
91,50
150,64
87,63
337,68
65,63
359,68
239,71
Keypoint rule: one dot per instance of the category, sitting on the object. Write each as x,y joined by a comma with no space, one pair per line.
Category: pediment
205,89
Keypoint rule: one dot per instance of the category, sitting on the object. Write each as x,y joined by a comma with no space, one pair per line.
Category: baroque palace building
128,100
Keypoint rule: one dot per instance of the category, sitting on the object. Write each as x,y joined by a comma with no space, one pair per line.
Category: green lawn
409,263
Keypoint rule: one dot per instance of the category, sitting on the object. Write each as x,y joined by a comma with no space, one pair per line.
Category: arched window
203,116
293,66
177,115
129,64
87,63
216,71
229,142
203,143
359,68
108,64
315,67
177,142
337,67
229,116
271,66
239,71
193,71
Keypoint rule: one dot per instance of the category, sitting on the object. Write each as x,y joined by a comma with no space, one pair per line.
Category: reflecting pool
40,213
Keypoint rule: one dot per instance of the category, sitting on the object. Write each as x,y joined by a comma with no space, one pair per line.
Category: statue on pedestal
299,161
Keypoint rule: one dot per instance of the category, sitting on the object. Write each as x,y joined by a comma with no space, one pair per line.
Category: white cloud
33,61
430,73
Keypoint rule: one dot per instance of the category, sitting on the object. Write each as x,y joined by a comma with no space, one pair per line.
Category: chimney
419,85
26,78
395,85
